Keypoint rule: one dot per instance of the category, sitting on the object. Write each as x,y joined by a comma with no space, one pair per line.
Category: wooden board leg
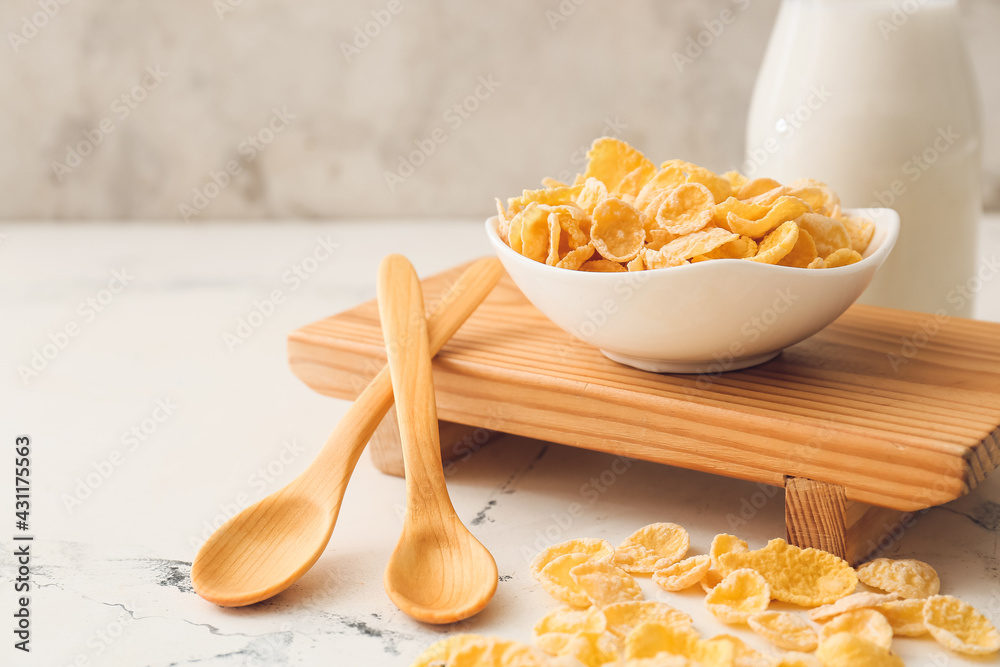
457,441
818,514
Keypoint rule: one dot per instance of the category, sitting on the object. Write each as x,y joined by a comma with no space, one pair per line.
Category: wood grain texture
815,515
439,572
898,418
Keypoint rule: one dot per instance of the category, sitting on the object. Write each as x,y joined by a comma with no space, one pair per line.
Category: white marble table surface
112,552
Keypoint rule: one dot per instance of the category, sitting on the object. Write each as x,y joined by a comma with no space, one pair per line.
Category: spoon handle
335,463
401,310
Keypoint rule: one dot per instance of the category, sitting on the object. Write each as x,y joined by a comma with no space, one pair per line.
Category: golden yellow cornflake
785,630
557,582
719,186
865,623
803,253
909,578
593,548
806,577
495,652
743,655
777,244
711,579
571,621
604,583
829,234
554,643
623,617
784,210
742,247
905,616
652,544
842,257
756,187
602,266
533,229
738,208
634,181
959,626
549,196
678,576
611,160
846,650
741,593
859,229
681,204
724,543
592,649
817,194
592,193
574,259
686,209
617,231
770,197
652,639
697,243
441,651
864,600
654,259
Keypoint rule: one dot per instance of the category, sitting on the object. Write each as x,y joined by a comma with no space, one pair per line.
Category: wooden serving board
884,408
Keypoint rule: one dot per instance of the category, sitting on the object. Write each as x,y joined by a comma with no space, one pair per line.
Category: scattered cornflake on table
960,626
608,624
909,578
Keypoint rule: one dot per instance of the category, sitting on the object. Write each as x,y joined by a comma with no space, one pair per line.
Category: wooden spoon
439,572
262,550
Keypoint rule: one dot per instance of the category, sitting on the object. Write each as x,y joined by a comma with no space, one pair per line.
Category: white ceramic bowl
708,317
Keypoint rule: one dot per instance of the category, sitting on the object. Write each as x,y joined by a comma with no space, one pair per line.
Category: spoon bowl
299,530
463,586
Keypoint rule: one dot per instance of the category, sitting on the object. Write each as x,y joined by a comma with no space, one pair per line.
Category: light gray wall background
561,73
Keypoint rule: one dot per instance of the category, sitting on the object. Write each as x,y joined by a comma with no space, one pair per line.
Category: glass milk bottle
877,99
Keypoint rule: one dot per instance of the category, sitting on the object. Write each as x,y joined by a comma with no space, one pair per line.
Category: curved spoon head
261,551
440,574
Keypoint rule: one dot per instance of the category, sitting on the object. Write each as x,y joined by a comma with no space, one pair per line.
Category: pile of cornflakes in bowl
624,214
606,622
